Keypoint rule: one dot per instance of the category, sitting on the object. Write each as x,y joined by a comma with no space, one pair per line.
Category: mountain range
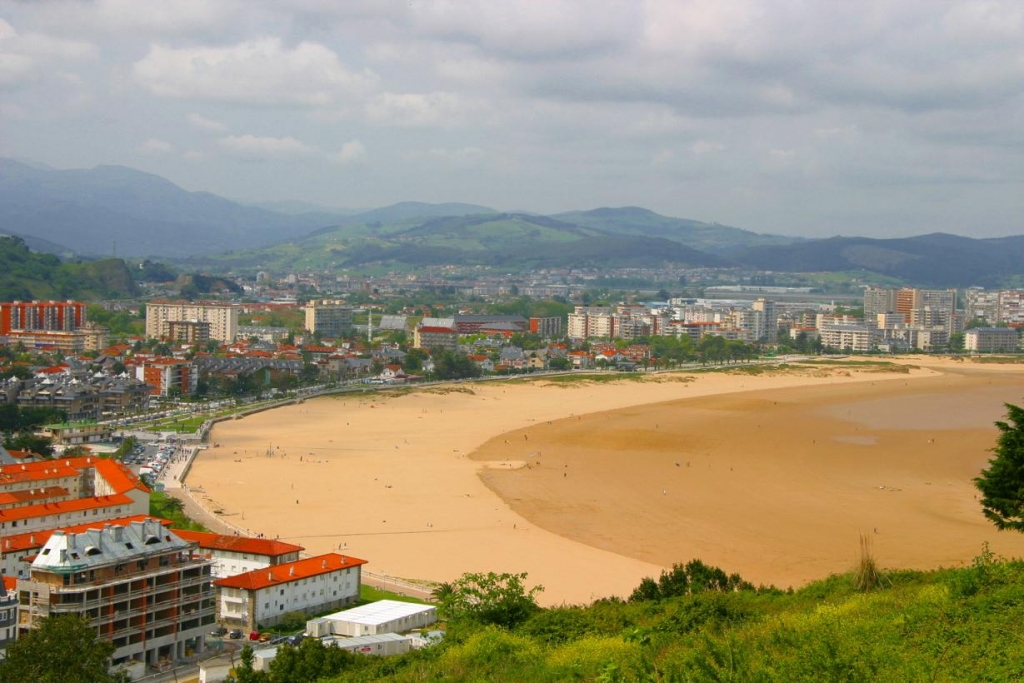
115,210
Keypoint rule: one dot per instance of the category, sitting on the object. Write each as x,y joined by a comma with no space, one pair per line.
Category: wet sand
591,487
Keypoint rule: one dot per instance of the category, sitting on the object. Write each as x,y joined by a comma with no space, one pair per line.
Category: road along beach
590,486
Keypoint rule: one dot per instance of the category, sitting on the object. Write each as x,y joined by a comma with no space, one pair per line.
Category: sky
876,118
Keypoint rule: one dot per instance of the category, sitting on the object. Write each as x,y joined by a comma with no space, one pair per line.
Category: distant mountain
296,207
405,211
710,237
113,209
936,260
513,241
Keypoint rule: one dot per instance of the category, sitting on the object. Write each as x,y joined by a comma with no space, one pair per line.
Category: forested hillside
26,275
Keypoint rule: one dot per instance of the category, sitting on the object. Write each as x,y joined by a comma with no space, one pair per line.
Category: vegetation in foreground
944,625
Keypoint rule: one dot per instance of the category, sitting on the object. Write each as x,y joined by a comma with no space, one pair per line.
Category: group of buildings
76,538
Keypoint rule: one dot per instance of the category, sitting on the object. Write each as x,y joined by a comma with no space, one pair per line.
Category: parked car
235,634
218,632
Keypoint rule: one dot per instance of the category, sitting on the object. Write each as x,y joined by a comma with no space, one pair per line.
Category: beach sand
589,487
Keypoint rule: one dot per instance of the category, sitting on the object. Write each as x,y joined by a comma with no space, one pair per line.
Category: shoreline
418,484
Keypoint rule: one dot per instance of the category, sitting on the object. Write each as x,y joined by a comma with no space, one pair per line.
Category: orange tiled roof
41,493
10,582
41,509
239,544
291,571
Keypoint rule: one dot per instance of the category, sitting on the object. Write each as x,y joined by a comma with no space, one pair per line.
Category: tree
64,649
499,599
1002,483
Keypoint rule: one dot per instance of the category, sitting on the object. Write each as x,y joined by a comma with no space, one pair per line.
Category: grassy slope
946,625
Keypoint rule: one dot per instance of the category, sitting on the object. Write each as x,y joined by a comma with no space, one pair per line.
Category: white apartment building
260,598
139,586
992,339
1011,307
233,555
222,318
858,338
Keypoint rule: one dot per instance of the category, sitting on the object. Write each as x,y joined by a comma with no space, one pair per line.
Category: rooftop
380,612
290,571
239,544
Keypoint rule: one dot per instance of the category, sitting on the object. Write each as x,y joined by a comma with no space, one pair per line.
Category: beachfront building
383,616
52,494
140,586
17,550
260,598
847,337
992,339
167,376
233,555
221,318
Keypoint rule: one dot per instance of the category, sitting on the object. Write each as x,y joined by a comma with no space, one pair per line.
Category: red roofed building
260,598
17,550
430,337
98,489
234,555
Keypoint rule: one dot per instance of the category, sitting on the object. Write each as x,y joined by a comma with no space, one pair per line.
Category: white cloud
352,152
25,58
260,71
204,124
430,110
253,148
155,146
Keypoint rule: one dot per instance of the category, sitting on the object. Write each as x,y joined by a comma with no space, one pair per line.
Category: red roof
42,493
239,544
10,582
36,471
443,330
290,571
41,509
37,539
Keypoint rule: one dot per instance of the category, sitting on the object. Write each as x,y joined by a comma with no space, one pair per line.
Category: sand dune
590,487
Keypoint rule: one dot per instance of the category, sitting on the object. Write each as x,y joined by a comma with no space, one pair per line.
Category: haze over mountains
114,210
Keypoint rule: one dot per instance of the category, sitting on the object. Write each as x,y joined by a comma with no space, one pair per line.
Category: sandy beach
589,487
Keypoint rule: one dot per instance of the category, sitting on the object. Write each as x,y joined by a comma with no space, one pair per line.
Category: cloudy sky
873,117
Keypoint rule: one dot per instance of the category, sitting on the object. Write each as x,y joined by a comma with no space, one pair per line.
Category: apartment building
222,318
1010,307
992,339
328,318
260,598
166,376
50,316
431,337
857,338
233,555
140,586
548,328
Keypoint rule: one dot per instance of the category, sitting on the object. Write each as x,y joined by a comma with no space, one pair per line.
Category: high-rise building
330,319
222,318
49,316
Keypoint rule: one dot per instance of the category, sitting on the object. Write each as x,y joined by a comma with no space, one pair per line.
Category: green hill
26,275
944,625
511,241
634,220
